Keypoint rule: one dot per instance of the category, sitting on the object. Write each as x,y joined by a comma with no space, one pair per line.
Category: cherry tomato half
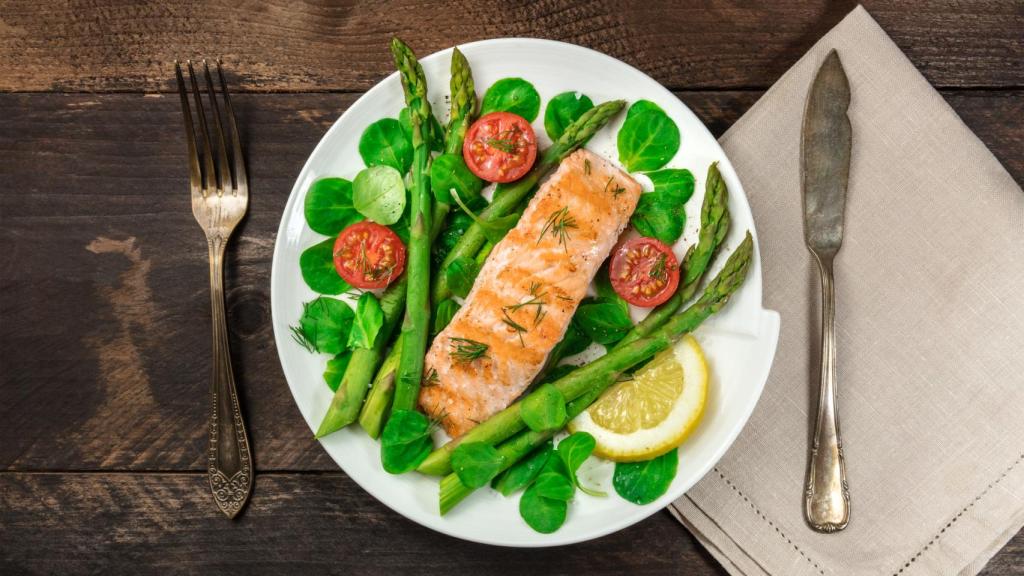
500,147
644,271
368,255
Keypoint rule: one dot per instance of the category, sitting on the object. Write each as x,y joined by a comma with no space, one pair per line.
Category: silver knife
825,169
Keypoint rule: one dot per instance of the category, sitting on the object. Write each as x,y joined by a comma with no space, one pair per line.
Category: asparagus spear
463,103
415,325
605,369
512,450
463,107
348,399
715,296
508,198
346,404
383,391
714,224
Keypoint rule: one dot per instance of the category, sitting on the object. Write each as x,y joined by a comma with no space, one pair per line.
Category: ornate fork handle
229,461
827,503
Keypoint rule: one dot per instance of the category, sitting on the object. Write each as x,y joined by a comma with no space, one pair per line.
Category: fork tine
208,176
241,180
195,178
223,168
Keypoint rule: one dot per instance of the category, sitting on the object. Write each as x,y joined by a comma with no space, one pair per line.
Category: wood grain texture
282,45
294,524
105,331
108,523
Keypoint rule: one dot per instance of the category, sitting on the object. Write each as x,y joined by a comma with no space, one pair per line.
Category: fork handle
229,465
827,504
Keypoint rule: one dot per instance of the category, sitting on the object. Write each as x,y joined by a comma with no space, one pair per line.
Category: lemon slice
654,412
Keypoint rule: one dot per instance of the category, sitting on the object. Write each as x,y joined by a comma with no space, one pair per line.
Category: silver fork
220,196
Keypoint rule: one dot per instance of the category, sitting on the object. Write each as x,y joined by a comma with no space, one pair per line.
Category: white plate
740,341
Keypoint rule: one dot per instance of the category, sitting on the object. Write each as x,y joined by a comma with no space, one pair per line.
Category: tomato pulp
644,271
368,255
500,147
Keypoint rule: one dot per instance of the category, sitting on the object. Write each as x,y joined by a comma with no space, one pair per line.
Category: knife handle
827,504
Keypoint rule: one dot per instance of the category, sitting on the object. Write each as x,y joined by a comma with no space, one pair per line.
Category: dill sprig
618,187
507,141
430,379
559,223
299,335
536,299
660,268
519,328
465,350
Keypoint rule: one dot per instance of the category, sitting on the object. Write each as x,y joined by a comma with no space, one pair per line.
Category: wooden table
104,321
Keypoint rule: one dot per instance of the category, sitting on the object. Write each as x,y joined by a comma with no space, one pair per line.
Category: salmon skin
526,293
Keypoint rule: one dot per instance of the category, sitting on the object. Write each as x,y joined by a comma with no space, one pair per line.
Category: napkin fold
930,329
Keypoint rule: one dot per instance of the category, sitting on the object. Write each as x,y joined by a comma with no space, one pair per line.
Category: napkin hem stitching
770,523
958,516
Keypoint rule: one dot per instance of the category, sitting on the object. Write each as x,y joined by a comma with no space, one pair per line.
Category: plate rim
769,321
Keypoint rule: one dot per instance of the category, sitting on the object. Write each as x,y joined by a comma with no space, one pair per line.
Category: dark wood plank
312,524
323,523
103,297
110,45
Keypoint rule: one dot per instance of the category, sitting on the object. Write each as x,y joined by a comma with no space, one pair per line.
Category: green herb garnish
559,223
465,350
536,300
519,328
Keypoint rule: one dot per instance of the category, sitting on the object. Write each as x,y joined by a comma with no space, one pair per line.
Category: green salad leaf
648,138
405,441
554,481
524,472
336,369
379,194
678,181
317,266
545,502
605,291
661,214
602,320
513,95
563,110
450,171
324,325
385,143
461,274
476,463
573,451
545,515
443,315
369,318
642,106
644,482
495,228
574,342
434,132
456,226
328,206
544,409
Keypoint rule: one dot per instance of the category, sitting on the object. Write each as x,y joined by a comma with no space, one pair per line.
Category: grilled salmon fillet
526,293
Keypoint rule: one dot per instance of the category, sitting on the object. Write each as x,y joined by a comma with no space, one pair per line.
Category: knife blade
825,150
825,156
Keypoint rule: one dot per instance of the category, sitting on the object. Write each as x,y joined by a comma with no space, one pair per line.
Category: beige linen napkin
930,327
